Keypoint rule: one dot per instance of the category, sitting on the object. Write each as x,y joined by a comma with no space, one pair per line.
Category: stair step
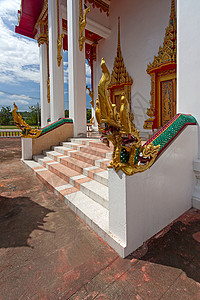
89,211
53,154
70,145
65,172
97,191
96,151
44,161
93,189
50,179
73,163
102,163
89,158
102,177
100,145
79,169
37,157
83,141
63,150
62,171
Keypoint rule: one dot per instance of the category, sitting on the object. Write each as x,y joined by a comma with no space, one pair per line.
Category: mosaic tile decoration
168,132
54,125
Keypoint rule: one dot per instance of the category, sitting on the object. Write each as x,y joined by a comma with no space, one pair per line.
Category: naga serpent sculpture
117,127
27,131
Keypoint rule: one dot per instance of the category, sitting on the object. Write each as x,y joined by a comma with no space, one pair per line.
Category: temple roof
30,11
27,17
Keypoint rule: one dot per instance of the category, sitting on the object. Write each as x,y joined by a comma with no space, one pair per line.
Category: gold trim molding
60,37
82,23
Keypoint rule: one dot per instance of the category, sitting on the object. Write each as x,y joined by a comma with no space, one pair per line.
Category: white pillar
45,106
188,62
76,67
95,88
57,106
26,148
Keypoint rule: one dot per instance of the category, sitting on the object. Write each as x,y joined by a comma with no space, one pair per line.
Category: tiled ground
46,252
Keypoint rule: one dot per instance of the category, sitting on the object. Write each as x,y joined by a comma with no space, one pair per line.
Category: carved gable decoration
167,53
163,74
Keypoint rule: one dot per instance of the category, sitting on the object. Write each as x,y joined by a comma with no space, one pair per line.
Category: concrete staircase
77,172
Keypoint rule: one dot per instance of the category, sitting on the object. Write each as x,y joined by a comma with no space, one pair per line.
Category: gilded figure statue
118,128
26,130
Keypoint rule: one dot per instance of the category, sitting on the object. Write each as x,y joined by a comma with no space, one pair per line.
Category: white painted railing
10,133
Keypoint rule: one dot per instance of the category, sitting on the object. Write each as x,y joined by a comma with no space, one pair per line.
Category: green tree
32,118
5,115
66,113
89,114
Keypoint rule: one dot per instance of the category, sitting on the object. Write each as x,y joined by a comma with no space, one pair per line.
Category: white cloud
21,100
19,57
87,70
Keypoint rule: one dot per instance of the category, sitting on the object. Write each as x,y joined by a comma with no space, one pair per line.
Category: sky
19,63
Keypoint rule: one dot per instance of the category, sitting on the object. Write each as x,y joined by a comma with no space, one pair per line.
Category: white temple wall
143,204
143,26
188,62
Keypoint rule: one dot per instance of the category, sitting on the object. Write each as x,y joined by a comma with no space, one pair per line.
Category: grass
13,127
8,127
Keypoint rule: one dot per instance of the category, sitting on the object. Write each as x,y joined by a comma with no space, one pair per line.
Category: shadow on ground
18,218
178,248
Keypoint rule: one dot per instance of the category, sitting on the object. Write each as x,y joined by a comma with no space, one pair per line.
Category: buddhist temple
141,169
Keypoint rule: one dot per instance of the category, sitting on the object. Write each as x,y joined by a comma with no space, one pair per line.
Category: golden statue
27,131
117,127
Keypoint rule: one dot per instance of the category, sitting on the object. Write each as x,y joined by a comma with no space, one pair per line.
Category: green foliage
5,115
32,116
66,113
89,114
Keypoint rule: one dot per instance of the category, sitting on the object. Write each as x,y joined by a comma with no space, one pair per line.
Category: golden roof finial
119,42
119,74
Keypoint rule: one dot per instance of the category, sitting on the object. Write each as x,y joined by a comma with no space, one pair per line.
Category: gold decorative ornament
42,25
27,131
19,15
59,38
121,81
94,51
91,94
163,63
117,127
44,14
82,23
59,47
